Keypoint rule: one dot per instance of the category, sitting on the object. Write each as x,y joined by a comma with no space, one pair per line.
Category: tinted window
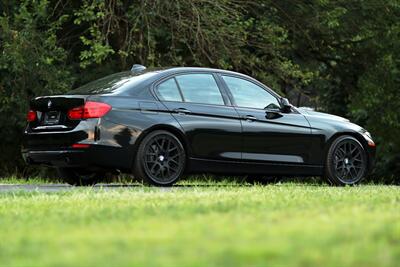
248,94
169,91
113,83
200,88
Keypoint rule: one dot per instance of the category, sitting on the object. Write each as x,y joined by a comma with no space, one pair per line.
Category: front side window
250,95
168,91
200,88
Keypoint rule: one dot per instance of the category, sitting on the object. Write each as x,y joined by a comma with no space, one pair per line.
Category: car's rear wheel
160,159
346,163
76,176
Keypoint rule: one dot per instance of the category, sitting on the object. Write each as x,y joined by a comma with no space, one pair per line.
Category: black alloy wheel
346,162
160,159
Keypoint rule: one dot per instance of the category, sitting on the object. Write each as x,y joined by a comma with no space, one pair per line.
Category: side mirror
286,106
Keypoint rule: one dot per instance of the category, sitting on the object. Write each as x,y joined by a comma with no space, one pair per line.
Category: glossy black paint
218,138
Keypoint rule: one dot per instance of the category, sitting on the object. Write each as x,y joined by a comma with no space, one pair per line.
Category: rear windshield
113,83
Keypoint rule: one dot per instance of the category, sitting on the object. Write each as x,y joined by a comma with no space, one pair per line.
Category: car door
202,109
269,135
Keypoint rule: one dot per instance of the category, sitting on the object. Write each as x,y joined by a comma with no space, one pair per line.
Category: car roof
173,70
164,72
170,71
155,74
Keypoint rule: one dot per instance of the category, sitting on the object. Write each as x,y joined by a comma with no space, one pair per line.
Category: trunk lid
52,112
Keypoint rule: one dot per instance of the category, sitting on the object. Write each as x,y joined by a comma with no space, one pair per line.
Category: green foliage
377,105
31,64
339,56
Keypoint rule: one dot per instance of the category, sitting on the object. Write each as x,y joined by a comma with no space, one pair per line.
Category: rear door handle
182,111
249,118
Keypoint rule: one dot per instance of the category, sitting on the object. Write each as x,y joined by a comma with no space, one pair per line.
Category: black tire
346,162
74,176
160,159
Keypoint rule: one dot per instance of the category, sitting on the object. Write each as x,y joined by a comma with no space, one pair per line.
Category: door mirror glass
286,106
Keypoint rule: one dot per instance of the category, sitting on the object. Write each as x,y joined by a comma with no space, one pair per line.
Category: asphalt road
4,188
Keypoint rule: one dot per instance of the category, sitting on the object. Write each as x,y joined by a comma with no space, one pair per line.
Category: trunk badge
49,104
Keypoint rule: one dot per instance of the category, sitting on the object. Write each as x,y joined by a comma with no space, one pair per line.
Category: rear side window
200,88
168,91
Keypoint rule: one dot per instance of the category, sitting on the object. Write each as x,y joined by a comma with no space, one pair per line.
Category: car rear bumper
104,146
62,158
94,157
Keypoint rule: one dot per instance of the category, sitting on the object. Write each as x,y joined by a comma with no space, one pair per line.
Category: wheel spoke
175,167
153,168
343,173
355,171
175,156
162,144
158,172
169,145
153,149
172,149
169,171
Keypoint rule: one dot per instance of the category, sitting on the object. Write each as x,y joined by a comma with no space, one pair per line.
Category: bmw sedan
161,124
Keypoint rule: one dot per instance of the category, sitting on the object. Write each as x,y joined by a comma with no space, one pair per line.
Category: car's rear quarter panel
126,124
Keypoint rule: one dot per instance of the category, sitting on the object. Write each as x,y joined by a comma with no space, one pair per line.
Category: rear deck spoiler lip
57,102
59,96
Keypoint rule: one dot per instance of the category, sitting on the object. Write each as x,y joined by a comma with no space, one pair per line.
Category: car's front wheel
76,176
160,159
346,163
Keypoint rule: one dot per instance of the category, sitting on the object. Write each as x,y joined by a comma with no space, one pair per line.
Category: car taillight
80,146
31,116
89,110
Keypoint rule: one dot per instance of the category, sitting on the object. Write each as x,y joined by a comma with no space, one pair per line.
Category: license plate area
51,118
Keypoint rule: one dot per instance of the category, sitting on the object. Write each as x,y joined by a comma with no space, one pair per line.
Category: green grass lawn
221,224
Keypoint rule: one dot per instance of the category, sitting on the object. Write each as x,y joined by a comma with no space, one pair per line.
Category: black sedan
160,124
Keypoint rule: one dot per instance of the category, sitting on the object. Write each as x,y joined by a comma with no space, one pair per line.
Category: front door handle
249,118
182,111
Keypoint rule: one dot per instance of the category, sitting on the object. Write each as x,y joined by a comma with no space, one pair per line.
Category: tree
338,56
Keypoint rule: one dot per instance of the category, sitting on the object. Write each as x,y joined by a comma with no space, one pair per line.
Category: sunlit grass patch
220,224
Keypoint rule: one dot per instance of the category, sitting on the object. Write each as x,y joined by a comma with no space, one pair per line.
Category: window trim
222,91
179,89
255,82
157,94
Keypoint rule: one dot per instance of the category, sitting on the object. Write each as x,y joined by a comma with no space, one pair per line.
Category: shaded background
340,57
